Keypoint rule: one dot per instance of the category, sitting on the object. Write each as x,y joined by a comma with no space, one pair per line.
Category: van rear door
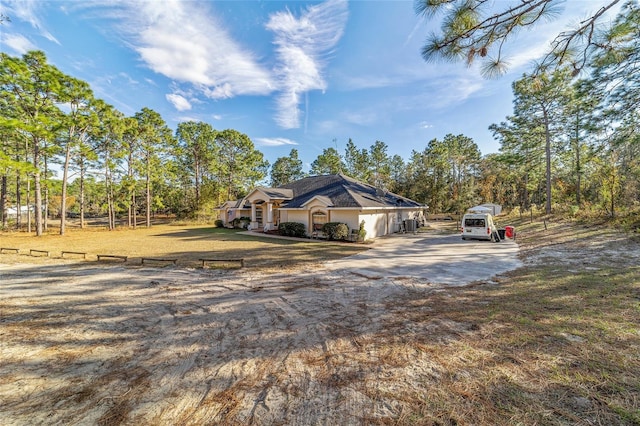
476,226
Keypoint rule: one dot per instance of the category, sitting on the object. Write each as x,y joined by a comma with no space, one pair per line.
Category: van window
474,223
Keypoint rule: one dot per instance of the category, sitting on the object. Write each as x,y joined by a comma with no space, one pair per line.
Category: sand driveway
103,344
440,259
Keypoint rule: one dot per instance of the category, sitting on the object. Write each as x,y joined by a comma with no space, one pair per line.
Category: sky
289,74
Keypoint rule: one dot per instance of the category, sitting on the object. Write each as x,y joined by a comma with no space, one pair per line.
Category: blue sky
289,74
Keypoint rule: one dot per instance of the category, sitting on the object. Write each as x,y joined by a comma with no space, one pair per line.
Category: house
316,200
234,213
12,212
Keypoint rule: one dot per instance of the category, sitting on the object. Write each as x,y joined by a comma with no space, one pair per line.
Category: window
318,219
474,223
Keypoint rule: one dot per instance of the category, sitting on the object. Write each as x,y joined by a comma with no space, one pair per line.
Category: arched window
318,219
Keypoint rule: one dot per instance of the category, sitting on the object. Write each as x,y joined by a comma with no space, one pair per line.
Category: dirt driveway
93,344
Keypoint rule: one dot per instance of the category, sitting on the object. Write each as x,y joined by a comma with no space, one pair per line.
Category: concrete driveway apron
442,259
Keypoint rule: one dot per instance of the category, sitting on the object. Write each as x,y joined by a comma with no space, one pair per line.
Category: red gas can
510,232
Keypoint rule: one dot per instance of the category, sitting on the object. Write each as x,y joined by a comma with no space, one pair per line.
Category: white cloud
27,11
179,102
302,44
453,90
187,118
18,43
184,42
275,141
362,118
360,82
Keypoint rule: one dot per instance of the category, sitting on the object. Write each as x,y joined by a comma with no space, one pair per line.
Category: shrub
362,233
292,229
241,222
219,223
335,230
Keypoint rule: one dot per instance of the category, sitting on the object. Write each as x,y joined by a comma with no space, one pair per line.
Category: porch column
269,225
254,218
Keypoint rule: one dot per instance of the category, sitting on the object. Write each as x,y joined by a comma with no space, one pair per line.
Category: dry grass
186,243
555,343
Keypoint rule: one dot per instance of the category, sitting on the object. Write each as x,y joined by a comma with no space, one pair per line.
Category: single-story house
316,200
12,212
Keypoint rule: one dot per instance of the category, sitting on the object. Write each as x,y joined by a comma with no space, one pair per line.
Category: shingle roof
236,204
277,192
343,191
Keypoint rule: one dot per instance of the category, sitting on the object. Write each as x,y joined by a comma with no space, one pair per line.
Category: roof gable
269,194
319,199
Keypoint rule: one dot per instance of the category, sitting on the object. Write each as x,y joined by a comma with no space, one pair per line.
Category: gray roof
282,193
343,191
236,204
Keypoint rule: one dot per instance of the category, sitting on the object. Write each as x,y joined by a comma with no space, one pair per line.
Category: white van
479,226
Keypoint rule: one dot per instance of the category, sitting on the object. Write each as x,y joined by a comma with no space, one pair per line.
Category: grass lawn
186,243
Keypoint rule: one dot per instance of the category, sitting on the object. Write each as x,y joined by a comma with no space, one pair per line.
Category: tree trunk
28,200
109,193
112,207
37,186
63,199
148,192
3,201
19,187
45,216
132,196
197,177
579,173
547,152
613,189
18,202
135,210
578,165
525,195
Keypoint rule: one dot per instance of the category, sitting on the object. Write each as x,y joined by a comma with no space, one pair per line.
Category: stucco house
316,200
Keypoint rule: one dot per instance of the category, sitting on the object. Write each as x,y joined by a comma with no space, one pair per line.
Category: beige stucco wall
377,222
350,217
299,216
224,215
384,222
374,223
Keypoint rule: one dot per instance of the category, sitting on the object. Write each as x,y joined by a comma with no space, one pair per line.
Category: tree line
573,134
114,165
572,140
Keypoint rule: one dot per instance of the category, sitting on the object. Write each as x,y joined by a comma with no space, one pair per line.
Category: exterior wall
384,222
374,223
300,216
377,222
228,213
393,222
350,217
